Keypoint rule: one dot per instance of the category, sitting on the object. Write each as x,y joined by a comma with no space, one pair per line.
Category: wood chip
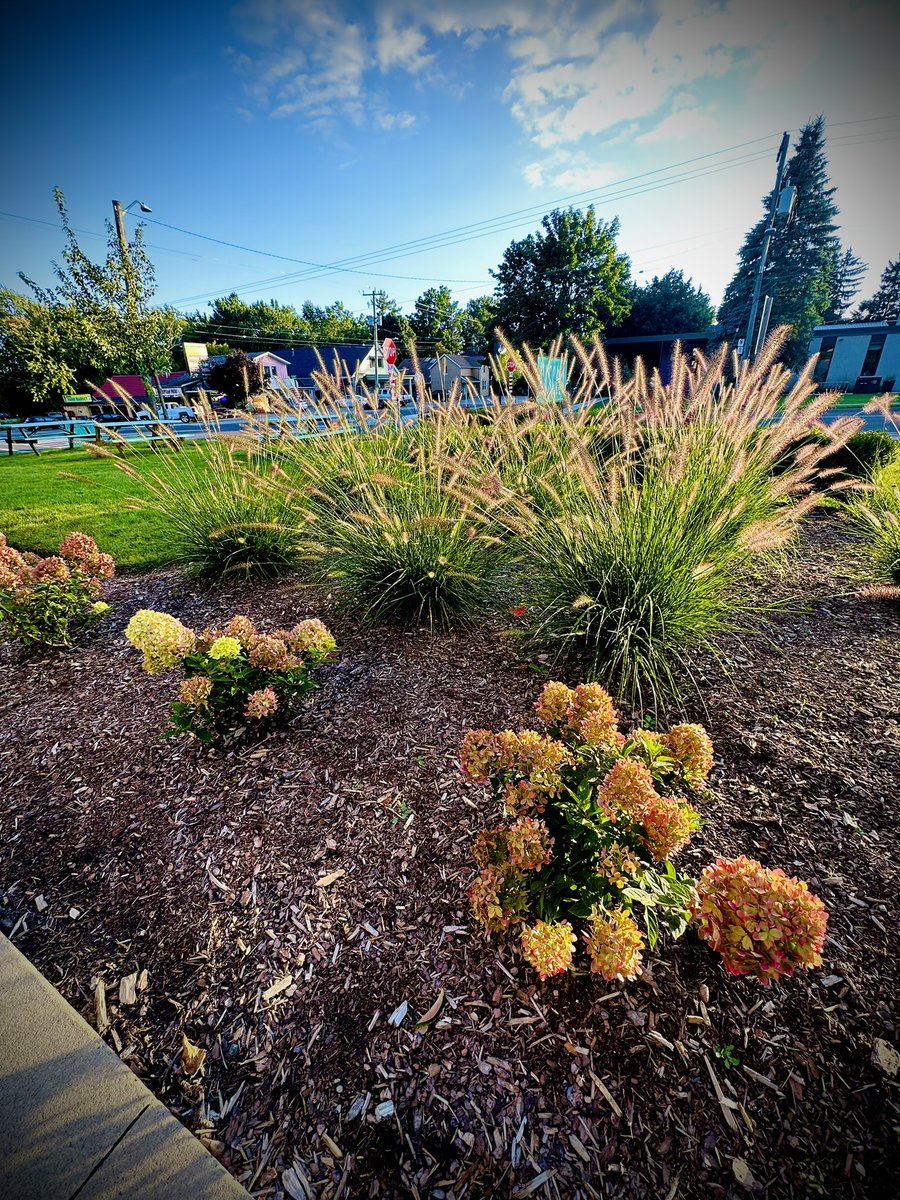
533,1185
327,880
724,1103
127,989
605,1093
40,903
885,1056
100,1006
279,986
295,1183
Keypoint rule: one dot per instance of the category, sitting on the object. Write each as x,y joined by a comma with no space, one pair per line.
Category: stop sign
511,365
389,349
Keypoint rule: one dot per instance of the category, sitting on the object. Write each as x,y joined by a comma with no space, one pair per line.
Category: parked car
52,420
169,412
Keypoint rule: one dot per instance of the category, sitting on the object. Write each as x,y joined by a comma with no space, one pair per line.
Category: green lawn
43,499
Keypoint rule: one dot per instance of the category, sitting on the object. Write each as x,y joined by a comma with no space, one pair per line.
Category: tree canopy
95,321
803,257
479,323
238,377
885,304
568,278
437,322
667,304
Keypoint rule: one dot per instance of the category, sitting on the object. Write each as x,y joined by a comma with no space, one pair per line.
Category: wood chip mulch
294,908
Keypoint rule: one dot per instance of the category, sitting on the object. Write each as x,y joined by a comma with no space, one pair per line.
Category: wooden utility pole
764,252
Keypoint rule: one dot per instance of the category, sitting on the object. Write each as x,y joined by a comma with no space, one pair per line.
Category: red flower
518,611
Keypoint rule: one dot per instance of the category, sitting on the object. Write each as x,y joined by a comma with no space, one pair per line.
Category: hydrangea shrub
45,601
593,820
235,678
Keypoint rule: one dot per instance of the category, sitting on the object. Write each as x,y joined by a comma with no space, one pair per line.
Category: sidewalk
75,1122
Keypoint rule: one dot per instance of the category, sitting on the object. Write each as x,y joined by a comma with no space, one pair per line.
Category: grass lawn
43,499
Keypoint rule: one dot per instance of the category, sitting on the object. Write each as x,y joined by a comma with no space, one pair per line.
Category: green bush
864,454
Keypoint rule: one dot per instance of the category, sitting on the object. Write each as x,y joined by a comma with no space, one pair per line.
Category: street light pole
127,269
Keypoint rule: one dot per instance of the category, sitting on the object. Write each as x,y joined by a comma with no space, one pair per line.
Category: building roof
131,385
267,354
465,361
304,360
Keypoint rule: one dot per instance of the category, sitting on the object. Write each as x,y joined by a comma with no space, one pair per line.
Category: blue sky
326,131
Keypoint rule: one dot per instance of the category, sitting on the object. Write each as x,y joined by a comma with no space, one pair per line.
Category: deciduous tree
568,278
667,304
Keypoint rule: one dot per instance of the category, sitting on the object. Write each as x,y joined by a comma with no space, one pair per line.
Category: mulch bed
280,905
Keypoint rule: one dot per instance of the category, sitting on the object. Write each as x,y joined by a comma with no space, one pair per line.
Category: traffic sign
389,349
511,365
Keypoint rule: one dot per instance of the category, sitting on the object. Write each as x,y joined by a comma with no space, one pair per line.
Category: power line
307,276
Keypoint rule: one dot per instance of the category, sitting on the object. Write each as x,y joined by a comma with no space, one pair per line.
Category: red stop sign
511,365
389,349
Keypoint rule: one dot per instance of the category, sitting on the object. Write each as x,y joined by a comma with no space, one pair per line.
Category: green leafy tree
667,304
239,377
479,323
437,322
803,256
845,278
885,304
568,278
335,323
95,321
249,325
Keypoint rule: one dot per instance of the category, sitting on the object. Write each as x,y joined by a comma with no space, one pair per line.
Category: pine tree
802,257
848,270
885,304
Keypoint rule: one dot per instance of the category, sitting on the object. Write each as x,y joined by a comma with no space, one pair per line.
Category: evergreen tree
803,254
848,270
667,304
885,304
568,278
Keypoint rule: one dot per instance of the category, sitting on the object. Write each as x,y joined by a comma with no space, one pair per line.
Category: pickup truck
168,412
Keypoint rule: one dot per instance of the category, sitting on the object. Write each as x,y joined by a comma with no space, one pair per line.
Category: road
195,430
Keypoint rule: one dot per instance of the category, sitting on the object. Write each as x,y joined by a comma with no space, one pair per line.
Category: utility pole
764,252
376,297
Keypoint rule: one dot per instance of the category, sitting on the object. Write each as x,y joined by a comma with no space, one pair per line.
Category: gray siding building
860,356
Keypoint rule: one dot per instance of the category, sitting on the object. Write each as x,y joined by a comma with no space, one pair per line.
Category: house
859,356
353,365
445,371
656,350
274,367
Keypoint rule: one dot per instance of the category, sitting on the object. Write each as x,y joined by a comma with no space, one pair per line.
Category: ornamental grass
386,529
654,504
226,513
875,514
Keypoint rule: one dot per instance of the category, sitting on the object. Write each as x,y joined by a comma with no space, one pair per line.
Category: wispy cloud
578,76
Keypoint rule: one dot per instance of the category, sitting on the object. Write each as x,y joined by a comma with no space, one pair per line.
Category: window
873,354
826,353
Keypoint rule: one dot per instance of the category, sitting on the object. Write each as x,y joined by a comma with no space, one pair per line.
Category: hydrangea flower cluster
761,921
163,640
44,600
235,677
549,946
614,944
